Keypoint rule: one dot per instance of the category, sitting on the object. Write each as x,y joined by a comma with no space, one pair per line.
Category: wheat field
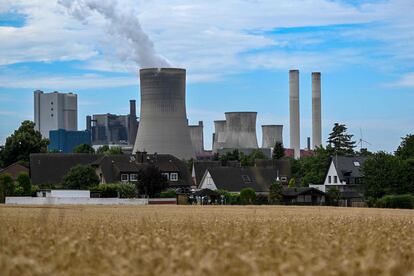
205,240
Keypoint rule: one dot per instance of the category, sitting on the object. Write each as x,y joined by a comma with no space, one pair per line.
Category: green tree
80,178
230,156
127,190
103,149
275,192
312,169
84,148
24,141
23,180
278,151
292,183
406,148
339,142
248,196
151,182
333,196
6,186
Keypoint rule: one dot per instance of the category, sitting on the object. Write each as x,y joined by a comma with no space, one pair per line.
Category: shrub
127,190
23,180
80,177
6,186
34,189
234,199
396,201
18,190
107,190
168,193
247,196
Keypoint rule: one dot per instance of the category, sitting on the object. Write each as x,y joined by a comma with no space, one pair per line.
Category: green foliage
385,174
333,196
18,190
340,143
105,149
312,169
292,183
247,196
406,148
245,160
234,199
109,190
224,194
80,178
34,189
6,185
24,141
275,193
396,201
151,181
169,193
84,148
23,180
127,190
278,151
230,156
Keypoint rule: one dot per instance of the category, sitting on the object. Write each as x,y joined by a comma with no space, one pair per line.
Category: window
329,179
283,178
51,115
166,175
246,178
357,164
124,177
174,176
335,179
133,177
51,103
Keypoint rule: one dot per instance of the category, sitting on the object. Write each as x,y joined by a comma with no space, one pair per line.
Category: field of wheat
205,240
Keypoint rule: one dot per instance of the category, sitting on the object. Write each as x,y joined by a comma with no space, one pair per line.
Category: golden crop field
205,240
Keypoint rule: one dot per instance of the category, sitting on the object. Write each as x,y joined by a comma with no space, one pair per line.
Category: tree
278,151
109,150
333,196
275,192
127,190
80,177
292,183
23,180
312,169
103,149
248,195
24,141
84,148
340,143
406,148
151,182
6,186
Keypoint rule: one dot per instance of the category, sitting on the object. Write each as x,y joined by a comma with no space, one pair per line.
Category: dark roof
293,192
235,179
348,194
14,170
49,168
206,192
200,168
346,168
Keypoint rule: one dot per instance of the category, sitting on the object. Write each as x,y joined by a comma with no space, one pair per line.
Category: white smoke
124,26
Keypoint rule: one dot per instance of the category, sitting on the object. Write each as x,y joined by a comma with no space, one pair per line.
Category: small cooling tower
196,134
271,134
219,135
163,126
241,130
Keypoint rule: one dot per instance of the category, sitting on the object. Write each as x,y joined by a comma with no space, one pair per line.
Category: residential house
14,170
303,196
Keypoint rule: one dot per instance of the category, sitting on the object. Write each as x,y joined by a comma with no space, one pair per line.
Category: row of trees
21,187
85,148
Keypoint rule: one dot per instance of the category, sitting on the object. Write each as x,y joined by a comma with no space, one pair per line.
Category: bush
34,189
170,193
18,190
107,190
247,196
23,180
396,201
127,190
121,190
234,199
6,186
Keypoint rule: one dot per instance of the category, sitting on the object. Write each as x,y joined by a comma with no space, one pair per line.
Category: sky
237,55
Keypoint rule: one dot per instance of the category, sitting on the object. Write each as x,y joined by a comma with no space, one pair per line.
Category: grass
194,240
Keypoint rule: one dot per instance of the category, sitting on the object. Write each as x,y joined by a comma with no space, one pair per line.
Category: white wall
207,182
70,193
332,173
75,201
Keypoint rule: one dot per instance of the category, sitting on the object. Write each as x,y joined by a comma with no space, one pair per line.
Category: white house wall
207,182
332,173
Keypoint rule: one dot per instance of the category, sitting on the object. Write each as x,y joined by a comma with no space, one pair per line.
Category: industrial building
271,134
107,129
66,141
197,139
53,111
163,126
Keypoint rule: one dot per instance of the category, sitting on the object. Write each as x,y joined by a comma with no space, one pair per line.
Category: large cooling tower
163,124
316,110
219,135
271,134
196,134
294,112
241,130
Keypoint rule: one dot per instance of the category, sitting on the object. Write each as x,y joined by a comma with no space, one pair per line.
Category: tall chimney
88,123
294,112
133,126
316,110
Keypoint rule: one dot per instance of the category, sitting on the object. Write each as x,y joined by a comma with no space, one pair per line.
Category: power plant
240,130
316,110
163,126
271,134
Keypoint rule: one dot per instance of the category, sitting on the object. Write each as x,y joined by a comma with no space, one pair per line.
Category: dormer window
357,164
124,177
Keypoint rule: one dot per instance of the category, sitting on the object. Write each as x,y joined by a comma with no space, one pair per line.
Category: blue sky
237,55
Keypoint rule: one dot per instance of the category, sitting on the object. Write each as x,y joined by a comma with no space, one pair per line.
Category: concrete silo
271,134
163,126
197,140
241,130
219,135
316,110
294,112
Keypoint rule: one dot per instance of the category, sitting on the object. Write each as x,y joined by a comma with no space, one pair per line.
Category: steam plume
124,26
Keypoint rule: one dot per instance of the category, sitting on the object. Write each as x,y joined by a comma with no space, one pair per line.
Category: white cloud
407,81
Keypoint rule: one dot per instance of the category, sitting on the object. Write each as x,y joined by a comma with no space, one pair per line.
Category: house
199,168
14,170
50,168
234,179
303,196
345,174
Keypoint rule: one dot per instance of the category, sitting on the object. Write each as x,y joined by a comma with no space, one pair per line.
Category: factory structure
163,126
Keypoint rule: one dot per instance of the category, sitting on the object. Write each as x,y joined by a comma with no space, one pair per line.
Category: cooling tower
294,112
163,124
196,135
241,130
316,110
271,134
219,135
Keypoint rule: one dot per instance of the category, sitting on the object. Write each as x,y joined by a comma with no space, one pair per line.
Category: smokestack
316,110
133,125
271,134
163,126
196,134
88,123
219,135
294,112
308,143
241,130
